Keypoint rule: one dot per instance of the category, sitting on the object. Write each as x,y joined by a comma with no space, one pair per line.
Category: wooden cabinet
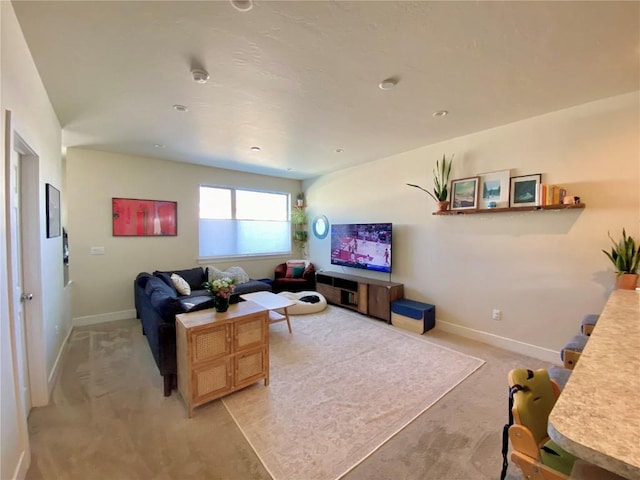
219,353
365,295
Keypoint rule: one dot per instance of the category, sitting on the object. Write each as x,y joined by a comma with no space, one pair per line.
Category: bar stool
588,323
572,350
559,375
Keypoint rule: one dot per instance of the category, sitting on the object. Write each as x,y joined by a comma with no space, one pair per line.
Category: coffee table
272,302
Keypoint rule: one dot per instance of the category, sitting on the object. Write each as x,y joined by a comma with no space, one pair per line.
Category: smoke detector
200,76
242,5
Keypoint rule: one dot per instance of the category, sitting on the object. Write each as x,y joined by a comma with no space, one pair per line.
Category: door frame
31,261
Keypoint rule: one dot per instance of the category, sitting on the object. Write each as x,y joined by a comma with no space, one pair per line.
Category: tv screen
362,245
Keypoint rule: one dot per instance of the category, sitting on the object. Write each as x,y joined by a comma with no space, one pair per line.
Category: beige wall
103,284
33,118
544,270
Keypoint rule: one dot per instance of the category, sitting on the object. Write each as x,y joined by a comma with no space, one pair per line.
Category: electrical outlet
497,314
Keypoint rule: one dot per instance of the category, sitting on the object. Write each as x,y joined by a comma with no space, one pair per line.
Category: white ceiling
300,78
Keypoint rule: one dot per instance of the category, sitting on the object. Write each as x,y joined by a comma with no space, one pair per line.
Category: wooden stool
588,323
572,350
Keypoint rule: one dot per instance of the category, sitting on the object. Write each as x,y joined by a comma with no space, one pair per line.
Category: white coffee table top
268,300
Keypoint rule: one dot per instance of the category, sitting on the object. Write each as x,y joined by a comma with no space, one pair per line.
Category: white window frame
257,256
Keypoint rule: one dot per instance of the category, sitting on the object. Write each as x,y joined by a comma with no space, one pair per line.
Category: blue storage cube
414,316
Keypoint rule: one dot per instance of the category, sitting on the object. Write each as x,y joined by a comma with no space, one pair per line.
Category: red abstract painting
144,218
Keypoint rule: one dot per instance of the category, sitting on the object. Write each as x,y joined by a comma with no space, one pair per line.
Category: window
236,222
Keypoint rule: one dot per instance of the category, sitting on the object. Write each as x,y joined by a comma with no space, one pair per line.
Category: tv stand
364,295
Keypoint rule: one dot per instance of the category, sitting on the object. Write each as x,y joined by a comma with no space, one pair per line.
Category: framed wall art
464,193
52,195
525,190
144,218
494,189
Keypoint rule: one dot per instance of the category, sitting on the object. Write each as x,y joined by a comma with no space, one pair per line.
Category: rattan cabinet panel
219,353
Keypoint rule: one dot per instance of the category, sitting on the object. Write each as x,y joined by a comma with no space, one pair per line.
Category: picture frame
134,217
494,189
525,190
52,195
464,193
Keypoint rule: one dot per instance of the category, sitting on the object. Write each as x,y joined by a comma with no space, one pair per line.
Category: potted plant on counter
440,183
625,255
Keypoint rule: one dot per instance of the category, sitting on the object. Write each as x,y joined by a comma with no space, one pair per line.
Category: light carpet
340,386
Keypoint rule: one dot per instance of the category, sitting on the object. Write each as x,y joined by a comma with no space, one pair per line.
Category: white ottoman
301,308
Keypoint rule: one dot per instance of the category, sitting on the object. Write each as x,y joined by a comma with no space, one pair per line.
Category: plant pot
442,206
221,304
627,281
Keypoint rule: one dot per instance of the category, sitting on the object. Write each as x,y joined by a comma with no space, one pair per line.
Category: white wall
103,284
544,270
34,120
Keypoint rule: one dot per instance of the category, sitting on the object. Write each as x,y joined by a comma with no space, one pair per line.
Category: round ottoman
301,308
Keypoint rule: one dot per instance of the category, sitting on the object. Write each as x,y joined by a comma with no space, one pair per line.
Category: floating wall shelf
511,209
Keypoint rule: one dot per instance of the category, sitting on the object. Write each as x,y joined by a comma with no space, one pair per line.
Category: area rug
340,386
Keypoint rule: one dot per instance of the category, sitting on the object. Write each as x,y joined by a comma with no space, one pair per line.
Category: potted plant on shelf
440,183
300,199
625,255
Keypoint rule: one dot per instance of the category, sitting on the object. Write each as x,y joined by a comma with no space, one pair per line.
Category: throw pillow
181,284
291,264
297,272
239,275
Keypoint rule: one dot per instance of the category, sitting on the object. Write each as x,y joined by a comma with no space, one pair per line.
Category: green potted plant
625,255
440,183
300,199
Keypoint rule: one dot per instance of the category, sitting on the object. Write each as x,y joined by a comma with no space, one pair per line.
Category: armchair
294,276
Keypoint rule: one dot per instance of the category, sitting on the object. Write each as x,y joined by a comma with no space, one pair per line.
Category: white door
19,297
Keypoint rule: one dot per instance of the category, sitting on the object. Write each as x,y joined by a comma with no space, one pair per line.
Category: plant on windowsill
440,183
625,256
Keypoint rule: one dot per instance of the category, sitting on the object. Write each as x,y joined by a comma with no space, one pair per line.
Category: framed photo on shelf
53,211
494,188
144,218
525,190
464,193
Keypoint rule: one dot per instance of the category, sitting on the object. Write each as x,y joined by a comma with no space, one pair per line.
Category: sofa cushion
193,304
297,272
162,297
180,284
195,277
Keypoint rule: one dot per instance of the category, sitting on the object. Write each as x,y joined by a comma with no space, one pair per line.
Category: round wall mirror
320,226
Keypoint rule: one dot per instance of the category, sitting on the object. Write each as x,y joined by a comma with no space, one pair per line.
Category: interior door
19,297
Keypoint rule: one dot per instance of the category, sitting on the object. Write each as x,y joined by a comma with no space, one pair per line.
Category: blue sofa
157,304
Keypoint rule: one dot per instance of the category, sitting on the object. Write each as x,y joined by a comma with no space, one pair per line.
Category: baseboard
534,351
105,317
20,473
55,371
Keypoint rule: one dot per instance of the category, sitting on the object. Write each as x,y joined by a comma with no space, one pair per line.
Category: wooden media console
365,295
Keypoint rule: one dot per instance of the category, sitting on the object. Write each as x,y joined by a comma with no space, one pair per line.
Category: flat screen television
362,245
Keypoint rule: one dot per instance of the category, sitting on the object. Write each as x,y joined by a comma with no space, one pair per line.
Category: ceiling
299,79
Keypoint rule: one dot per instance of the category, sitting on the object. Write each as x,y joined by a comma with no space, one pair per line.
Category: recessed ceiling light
255,149
200,76
388,83
159,145
339,150
440,113
180,108
289,169
242,5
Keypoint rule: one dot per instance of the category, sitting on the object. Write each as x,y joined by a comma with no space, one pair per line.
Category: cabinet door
379,303
212,380
331,294
210,343
250,366
250,332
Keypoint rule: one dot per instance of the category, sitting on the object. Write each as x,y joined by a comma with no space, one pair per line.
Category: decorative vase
627,281
221,304
442,206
